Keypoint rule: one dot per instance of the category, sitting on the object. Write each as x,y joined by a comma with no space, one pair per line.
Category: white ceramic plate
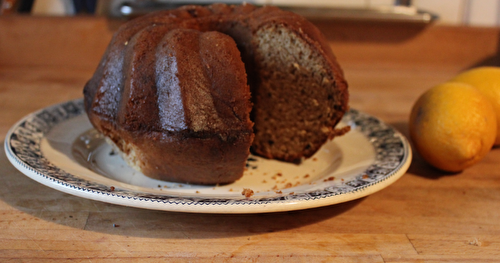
58,147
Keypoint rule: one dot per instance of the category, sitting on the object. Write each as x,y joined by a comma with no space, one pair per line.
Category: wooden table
426,216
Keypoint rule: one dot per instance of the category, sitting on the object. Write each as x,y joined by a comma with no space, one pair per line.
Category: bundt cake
184,94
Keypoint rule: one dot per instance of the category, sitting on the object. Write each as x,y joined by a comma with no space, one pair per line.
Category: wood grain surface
426,216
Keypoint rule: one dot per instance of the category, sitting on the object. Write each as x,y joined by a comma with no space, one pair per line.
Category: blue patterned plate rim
23,147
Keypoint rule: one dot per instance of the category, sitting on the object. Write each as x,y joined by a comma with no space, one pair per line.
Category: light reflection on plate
58,147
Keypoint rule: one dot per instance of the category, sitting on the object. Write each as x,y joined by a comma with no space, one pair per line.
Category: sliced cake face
296,98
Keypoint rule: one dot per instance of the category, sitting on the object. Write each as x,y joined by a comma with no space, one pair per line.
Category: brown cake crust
171,90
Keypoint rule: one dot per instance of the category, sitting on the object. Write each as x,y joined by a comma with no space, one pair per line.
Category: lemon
487,81
453,126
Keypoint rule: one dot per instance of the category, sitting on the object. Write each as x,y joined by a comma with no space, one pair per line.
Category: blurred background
450,33
484,13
